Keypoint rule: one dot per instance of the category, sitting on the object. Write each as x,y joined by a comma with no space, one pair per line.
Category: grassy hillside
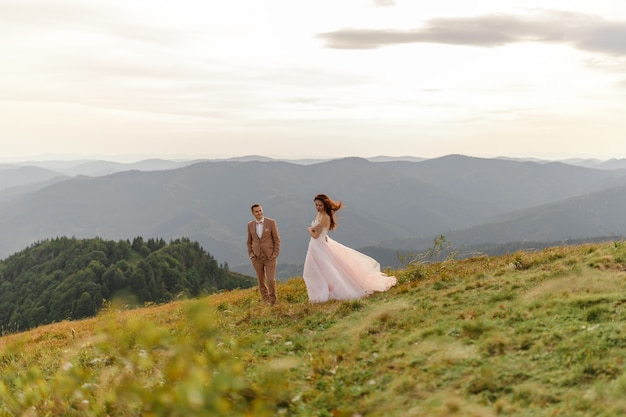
526,334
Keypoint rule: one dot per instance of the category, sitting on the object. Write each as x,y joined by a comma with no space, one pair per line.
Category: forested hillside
69,278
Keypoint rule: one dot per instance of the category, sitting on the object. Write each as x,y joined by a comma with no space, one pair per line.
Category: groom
263,248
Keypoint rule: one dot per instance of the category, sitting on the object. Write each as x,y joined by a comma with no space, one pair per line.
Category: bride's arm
316,231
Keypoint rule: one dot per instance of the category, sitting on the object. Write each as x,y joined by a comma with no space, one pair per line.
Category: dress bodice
324,230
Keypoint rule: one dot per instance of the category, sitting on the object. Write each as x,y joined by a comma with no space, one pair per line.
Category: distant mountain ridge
18,176
387,202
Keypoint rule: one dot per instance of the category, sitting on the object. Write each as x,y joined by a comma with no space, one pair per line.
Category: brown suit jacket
269,242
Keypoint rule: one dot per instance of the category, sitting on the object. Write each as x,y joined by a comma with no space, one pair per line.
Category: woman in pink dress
333,271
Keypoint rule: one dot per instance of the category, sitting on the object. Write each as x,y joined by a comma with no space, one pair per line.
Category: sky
135,79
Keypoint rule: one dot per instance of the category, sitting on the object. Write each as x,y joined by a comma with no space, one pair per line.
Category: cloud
608,38
582,31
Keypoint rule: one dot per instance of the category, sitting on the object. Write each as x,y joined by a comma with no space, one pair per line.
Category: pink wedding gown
333,271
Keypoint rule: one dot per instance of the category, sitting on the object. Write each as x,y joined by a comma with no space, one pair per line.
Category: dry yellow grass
526,334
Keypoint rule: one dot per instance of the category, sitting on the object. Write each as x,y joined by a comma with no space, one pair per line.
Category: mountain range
391,204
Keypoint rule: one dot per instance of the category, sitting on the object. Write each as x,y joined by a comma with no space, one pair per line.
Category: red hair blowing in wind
330,207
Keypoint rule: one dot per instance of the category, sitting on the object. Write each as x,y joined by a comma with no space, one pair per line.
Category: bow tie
259,222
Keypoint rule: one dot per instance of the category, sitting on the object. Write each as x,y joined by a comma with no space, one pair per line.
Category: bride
333,271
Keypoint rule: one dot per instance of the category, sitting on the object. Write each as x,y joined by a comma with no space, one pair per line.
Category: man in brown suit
263,249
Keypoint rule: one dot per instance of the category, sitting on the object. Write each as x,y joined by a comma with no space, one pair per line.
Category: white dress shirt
259,227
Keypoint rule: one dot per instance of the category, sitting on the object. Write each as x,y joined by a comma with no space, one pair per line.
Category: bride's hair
330,207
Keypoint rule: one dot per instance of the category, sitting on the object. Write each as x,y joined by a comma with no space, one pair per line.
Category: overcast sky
133,79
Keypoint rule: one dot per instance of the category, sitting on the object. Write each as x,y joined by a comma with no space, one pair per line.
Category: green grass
527,334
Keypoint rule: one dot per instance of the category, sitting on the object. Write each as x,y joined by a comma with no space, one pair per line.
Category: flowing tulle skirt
333,271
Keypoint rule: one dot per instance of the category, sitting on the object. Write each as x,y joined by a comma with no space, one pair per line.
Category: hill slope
597,214
526,334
